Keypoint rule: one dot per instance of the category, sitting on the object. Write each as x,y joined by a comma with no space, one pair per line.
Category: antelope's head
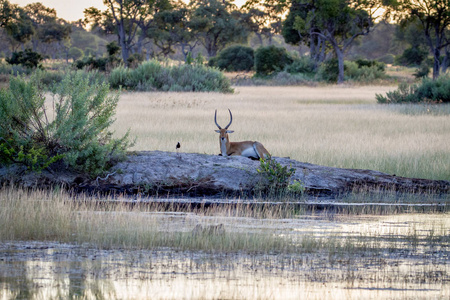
223,131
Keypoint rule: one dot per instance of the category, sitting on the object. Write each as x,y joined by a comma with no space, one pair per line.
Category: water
397,264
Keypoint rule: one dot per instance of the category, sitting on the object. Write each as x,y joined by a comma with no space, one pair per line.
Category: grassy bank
340,126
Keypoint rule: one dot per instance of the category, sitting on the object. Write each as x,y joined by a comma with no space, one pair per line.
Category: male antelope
253,150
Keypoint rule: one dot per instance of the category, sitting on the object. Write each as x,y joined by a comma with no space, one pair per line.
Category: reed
55,216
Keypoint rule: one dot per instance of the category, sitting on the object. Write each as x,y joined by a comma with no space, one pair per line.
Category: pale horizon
72,10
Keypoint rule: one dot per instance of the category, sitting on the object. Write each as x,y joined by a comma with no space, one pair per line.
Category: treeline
328,32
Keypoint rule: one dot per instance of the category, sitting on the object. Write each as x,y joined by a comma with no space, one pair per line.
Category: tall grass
329,125
55,216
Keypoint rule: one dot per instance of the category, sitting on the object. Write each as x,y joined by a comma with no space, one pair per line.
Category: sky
69,10
72,10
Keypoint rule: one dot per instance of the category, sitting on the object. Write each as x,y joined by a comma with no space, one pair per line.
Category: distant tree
217,24
266,16
296,31
27,58
75,53
6,12
338,22
173,29
434,17
129,19
17,24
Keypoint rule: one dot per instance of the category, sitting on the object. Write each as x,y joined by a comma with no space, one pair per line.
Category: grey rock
156,172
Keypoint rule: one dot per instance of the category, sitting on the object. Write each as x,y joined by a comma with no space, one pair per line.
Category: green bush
152,75
28,59
271,59
91,62
75,53
360,70
412,56
15,70
276,179
303,65
235,58
432,91
422,71
83,110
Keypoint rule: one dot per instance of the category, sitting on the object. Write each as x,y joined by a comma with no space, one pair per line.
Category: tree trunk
437,63
340,58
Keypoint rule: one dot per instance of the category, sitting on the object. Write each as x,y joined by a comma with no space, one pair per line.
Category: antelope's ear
230,131
218,131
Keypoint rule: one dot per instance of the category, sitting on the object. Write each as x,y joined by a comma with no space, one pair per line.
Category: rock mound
190,174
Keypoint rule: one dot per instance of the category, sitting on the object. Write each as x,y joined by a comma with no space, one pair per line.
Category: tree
338,22
434,17
17,24
265,17
129,19
296,31
172,28
217,24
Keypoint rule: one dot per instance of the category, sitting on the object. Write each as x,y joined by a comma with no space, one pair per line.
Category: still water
52,270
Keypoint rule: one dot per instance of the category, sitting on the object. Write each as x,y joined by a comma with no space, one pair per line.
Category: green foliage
271,59
359,70
235,58
35,159
434,91
15,70
113,49
151,75
28,58
190,59
329,70
303,65
75,53
276,178
413,56
78,132
422,71
91,62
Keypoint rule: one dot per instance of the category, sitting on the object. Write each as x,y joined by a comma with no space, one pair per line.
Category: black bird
178,146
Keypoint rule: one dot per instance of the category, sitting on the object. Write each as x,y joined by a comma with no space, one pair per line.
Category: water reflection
397,269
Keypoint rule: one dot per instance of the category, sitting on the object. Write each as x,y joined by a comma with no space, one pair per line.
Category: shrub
360,70
276,179
271,59
235,58
28,59
303,65
422,71
78,132
434,91
92,63
75,53
413,56
151,75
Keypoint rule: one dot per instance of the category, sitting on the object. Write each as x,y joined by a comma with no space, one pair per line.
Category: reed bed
55,216
263,254
339,126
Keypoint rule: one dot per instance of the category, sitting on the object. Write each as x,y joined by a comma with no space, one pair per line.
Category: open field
340,126
118,252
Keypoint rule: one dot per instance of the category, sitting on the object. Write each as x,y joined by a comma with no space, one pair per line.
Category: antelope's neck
224,145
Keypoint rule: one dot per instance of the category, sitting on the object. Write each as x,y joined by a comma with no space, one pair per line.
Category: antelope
253,150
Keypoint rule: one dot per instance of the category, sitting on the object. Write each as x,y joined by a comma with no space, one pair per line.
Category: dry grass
339,126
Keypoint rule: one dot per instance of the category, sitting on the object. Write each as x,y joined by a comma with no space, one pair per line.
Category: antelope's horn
215,119
231,120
